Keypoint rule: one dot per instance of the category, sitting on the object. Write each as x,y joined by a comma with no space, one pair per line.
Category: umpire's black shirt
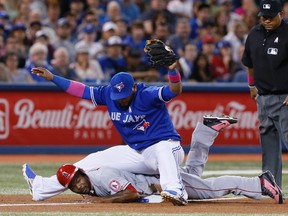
267,53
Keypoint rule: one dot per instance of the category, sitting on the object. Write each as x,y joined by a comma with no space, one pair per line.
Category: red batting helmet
65,174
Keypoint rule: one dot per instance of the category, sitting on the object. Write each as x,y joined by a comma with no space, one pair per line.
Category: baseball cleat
172,196
29,176
218,123
270,188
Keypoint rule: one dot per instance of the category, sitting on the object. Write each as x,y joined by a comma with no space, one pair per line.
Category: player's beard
125,103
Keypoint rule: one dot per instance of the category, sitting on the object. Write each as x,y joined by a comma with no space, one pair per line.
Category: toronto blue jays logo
119,86
142,126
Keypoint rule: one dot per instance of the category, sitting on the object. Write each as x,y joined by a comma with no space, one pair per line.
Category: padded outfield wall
40,118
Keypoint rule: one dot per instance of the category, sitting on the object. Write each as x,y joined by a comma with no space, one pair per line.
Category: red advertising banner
55,118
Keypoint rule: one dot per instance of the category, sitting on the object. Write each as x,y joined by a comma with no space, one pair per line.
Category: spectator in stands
63,32
12,45
247,7
222,63
32,29
90,17
160,27
239,71
95,5
2,47
87,69
155,7
2,31
201,15
129,10
61,64
113,62
77,8
16,74
73,25
181,37
122,28
53,12
221,23
23,11
140,70
208,47
227,7
5,20
250,20
136,39
142,5
113,13
186,62
35,23
285,10
42,37
237,37
96,49
38,58
109,29
19,33
181,8
4,73
201,69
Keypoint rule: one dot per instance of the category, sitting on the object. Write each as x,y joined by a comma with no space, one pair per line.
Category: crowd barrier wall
40,118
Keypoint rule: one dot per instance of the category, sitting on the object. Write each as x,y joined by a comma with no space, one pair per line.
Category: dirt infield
72,203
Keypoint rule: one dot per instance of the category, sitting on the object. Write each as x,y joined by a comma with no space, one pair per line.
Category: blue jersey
145,122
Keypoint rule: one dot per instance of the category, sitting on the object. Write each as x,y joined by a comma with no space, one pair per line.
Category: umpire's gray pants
273,119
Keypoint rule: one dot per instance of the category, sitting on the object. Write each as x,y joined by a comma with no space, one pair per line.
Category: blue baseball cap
19,26
89,28
4,15
121,86
224,43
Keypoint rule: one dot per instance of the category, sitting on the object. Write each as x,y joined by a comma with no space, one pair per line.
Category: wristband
251,80
174,76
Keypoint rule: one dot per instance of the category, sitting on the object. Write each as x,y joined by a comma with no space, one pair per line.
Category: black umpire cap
270,8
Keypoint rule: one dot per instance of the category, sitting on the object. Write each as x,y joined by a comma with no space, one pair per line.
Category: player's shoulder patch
114,185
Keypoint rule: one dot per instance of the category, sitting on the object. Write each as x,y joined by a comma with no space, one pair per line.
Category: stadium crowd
91,40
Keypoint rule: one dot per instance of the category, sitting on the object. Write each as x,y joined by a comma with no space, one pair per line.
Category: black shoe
218,123
270,188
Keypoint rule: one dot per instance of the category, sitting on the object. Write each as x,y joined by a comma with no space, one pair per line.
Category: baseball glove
159,54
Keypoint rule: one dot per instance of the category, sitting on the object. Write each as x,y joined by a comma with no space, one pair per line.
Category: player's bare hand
42,72
253,93
285,102
173,66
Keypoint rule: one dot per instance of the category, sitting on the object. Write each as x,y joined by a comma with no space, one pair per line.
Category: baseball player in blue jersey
140,115
106,184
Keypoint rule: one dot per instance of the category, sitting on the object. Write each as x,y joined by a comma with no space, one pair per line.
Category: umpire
266,56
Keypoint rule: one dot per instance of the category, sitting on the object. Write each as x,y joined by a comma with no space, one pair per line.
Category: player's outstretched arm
71,87
125,196
42,72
